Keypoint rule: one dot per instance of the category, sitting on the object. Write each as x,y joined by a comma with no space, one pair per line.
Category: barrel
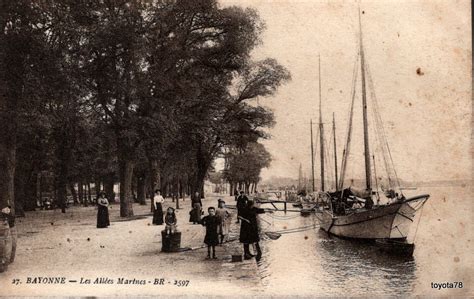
5,246
170,242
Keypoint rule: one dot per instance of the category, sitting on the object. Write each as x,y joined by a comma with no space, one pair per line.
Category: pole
312,154
364,115
321,129
335,148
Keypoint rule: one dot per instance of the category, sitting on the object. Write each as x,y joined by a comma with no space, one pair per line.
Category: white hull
382,222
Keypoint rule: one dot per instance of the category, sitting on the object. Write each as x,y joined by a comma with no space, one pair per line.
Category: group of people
170,219
217,222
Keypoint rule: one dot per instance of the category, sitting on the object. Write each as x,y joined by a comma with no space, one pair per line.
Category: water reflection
311,262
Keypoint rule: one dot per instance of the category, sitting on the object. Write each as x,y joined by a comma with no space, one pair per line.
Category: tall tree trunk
141,190
135,189
97,187
89,192
203,163
73,192
7,153
109,182
62,180
80,191
126,176
21,187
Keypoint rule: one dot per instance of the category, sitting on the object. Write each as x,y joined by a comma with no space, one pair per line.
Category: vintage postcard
236,148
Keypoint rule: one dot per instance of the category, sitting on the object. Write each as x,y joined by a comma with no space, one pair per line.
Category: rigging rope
346,151
381,127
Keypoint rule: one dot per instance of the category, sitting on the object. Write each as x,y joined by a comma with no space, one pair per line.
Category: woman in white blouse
158,200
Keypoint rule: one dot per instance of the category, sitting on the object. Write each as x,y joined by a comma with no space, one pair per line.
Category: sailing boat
342,217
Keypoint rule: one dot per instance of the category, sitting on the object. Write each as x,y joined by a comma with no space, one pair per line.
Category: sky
426,114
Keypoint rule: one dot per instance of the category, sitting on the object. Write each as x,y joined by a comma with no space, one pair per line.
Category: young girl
170,221
211,222
224,216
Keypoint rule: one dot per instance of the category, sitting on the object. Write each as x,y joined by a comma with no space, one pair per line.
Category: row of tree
131,91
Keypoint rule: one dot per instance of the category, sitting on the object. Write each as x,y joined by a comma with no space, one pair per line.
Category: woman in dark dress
158,201
249,229
102,211
211,222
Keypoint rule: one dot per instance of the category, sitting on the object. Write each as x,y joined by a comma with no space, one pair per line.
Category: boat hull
382,222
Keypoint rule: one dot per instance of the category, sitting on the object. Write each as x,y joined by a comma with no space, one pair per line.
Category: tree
245,164
20,47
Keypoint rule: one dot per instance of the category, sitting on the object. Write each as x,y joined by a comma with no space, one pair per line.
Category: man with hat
242,201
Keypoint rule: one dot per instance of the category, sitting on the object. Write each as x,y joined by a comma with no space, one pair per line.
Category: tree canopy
146,93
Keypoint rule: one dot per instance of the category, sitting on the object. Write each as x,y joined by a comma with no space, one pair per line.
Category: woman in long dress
158,200
102,211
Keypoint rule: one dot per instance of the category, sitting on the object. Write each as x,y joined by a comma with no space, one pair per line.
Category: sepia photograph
236,148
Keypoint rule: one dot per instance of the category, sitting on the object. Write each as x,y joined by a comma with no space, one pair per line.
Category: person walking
195,213
158,201
249,229
241,204
102,211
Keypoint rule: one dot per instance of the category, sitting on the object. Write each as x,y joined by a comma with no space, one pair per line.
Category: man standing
242,201
249,229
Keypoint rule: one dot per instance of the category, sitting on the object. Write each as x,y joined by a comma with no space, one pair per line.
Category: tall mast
364,114
335,148
312,155
321,129
300,178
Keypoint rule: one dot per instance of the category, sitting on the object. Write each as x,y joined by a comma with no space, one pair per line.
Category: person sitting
356,205
170,221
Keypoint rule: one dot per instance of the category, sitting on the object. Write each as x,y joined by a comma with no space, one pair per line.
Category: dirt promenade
69,246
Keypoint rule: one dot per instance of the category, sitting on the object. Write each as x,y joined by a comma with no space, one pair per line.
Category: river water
312,263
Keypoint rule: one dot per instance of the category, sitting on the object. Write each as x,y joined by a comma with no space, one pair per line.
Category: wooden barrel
170,242
5,245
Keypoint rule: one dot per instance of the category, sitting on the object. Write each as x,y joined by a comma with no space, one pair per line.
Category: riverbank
124,259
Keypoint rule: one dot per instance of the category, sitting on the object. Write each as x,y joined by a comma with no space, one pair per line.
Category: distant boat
342,215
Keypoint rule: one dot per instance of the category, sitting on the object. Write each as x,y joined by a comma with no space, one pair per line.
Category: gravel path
52,244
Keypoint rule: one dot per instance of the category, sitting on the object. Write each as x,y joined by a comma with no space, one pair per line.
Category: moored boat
343,215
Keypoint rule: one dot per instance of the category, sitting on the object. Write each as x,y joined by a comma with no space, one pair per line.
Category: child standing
224,216
211,222
170,221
